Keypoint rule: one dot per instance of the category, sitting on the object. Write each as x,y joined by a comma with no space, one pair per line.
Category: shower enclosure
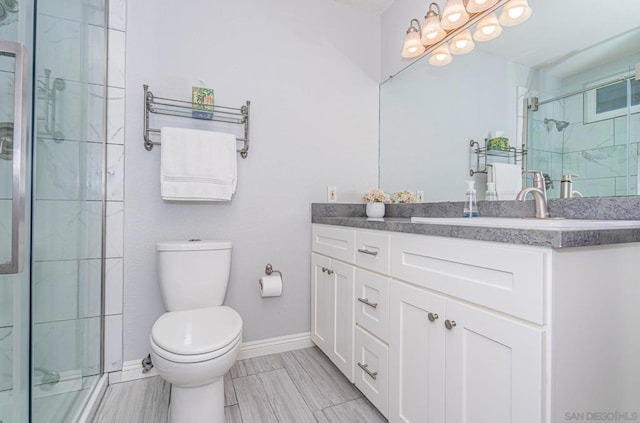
52,154
592,132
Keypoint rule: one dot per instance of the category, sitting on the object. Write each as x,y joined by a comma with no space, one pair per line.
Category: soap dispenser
470,204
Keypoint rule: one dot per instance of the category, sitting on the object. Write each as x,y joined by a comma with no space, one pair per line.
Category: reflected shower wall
592,134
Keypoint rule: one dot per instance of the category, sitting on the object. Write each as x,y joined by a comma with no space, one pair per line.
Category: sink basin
519,223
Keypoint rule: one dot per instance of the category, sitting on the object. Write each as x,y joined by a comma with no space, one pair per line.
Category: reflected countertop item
571,232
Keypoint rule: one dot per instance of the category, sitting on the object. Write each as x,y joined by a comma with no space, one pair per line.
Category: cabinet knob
450,324
433,317
324,269
329,272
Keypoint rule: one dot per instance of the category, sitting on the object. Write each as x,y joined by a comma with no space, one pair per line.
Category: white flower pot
375,210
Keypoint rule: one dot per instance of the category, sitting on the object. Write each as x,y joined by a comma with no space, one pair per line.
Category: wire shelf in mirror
482,152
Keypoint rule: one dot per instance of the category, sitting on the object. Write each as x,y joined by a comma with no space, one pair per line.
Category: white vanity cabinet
468,363
332,304
332,287
464,331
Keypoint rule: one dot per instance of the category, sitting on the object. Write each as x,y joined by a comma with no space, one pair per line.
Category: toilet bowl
193,349
195,343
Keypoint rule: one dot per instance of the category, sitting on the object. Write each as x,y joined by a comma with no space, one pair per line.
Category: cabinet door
416,355
342,281
321,303
493,368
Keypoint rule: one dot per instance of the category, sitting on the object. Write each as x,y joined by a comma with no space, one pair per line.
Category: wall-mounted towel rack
171,107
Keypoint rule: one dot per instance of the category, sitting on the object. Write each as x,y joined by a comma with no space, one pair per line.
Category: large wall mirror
579,62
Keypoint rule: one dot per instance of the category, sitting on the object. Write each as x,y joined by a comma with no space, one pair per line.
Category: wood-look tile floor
293,387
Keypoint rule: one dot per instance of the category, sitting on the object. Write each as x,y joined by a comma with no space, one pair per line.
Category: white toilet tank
193,274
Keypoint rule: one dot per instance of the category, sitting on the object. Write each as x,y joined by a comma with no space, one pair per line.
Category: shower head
561,125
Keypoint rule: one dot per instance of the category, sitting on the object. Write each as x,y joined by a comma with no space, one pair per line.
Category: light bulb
461,44
515,12
454,17
488,30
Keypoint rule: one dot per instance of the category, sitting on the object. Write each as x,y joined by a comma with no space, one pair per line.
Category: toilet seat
202,334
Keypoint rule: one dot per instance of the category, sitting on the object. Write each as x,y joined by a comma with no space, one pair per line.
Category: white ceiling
374,6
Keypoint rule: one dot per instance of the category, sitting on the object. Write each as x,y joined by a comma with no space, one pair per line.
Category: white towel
508,180
197,165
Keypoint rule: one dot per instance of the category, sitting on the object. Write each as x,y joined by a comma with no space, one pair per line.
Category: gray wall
312,75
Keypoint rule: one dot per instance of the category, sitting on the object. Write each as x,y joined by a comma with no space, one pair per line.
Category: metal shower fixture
561,125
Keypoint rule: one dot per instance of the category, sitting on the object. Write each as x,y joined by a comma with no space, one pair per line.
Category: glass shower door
15,123
67,238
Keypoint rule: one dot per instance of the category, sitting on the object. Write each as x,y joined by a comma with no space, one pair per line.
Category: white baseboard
275,345
132,370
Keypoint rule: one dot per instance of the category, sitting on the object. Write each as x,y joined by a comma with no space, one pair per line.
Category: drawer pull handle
433,317
366,301
371,374
450,324
365,251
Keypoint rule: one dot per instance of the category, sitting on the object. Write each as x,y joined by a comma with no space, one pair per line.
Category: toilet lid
197,331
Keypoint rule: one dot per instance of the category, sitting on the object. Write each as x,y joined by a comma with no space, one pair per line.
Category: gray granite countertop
353,215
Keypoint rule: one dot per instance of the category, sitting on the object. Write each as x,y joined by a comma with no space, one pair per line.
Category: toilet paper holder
269,270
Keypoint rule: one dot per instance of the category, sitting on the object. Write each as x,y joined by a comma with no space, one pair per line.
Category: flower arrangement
375,195
403,197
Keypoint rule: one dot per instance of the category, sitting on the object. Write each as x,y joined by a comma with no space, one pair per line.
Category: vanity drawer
371,369
372,303
372,250
507,278
334,242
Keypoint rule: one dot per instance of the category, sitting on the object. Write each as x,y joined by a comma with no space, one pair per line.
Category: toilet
197,340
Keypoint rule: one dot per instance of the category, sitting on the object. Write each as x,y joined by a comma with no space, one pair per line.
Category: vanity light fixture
462,43
515,12
475,6
450,32
487,28
441,56
454,15
432,32
412,45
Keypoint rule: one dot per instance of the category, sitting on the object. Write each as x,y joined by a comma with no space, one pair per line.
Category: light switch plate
332,194
419,196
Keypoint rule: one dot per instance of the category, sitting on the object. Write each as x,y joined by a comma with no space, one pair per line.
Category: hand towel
197,165
508,180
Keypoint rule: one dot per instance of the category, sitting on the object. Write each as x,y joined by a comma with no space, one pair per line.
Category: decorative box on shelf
202,99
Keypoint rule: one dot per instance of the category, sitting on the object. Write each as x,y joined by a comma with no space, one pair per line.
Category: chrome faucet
539,192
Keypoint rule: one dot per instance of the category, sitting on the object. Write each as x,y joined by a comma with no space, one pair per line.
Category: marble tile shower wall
114,272
595,151
68,212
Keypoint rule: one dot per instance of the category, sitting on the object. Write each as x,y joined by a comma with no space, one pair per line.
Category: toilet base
203,404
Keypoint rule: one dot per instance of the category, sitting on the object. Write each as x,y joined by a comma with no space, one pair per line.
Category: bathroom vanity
523,325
